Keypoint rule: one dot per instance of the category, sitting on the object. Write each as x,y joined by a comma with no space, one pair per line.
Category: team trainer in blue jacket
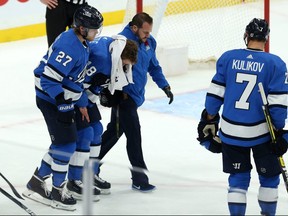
124,116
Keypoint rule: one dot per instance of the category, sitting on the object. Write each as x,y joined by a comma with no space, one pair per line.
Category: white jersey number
62,57
251,82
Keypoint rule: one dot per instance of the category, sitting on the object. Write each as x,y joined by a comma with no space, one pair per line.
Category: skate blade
77,196
58,205
104,191
36,197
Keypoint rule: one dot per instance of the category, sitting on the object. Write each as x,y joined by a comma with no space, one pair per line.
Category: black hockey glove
109,100
105,97
207,129
214,144
65,110
100,79
168,92
280,147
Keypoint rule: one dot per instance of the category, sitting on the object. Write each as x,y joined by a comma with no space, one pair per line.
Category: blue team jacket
147,63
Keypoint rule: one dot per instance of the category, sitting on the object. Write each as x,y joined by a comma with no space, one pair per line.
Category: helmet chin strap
245,38
85,33
79,31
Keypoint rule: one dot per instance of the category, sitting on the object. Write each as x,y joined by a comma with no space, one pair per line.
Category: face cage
86,30
99,30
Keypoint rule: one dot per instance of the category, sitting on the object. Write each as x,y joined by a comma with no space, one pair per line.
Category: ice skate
62,199
102,185
75,187
37,189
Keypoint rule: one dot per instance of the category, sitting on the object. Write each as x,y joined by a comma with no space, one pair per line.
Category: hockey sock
237,201
81,153
95,146
268,194
267,200
238,186
61,155
94,153
45,168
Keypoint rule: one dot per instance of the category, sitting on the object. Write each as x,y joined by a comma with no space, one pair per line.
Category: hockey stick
17,202
272,133
12,187
16,194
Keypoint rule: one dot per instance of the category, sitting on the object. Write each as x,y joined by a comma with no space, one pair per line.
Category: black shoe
143,187
75,187
102,185
37,189
62,199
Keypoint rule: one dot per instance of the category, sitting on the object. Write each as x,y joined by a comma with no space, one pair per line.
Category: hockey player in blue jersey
59,84
108,55
243,128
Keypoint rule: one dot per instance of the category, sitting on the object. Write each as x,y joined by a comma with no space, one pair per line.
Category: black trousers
125,119
59,19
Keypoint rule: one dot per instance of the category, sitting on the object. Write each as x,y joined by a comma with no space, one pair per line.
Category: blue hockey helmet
257,29
88,17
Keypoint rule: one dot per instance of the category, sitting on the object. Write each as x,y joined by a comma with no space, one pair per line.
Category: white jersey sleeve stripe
49,72
278,99
216,90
